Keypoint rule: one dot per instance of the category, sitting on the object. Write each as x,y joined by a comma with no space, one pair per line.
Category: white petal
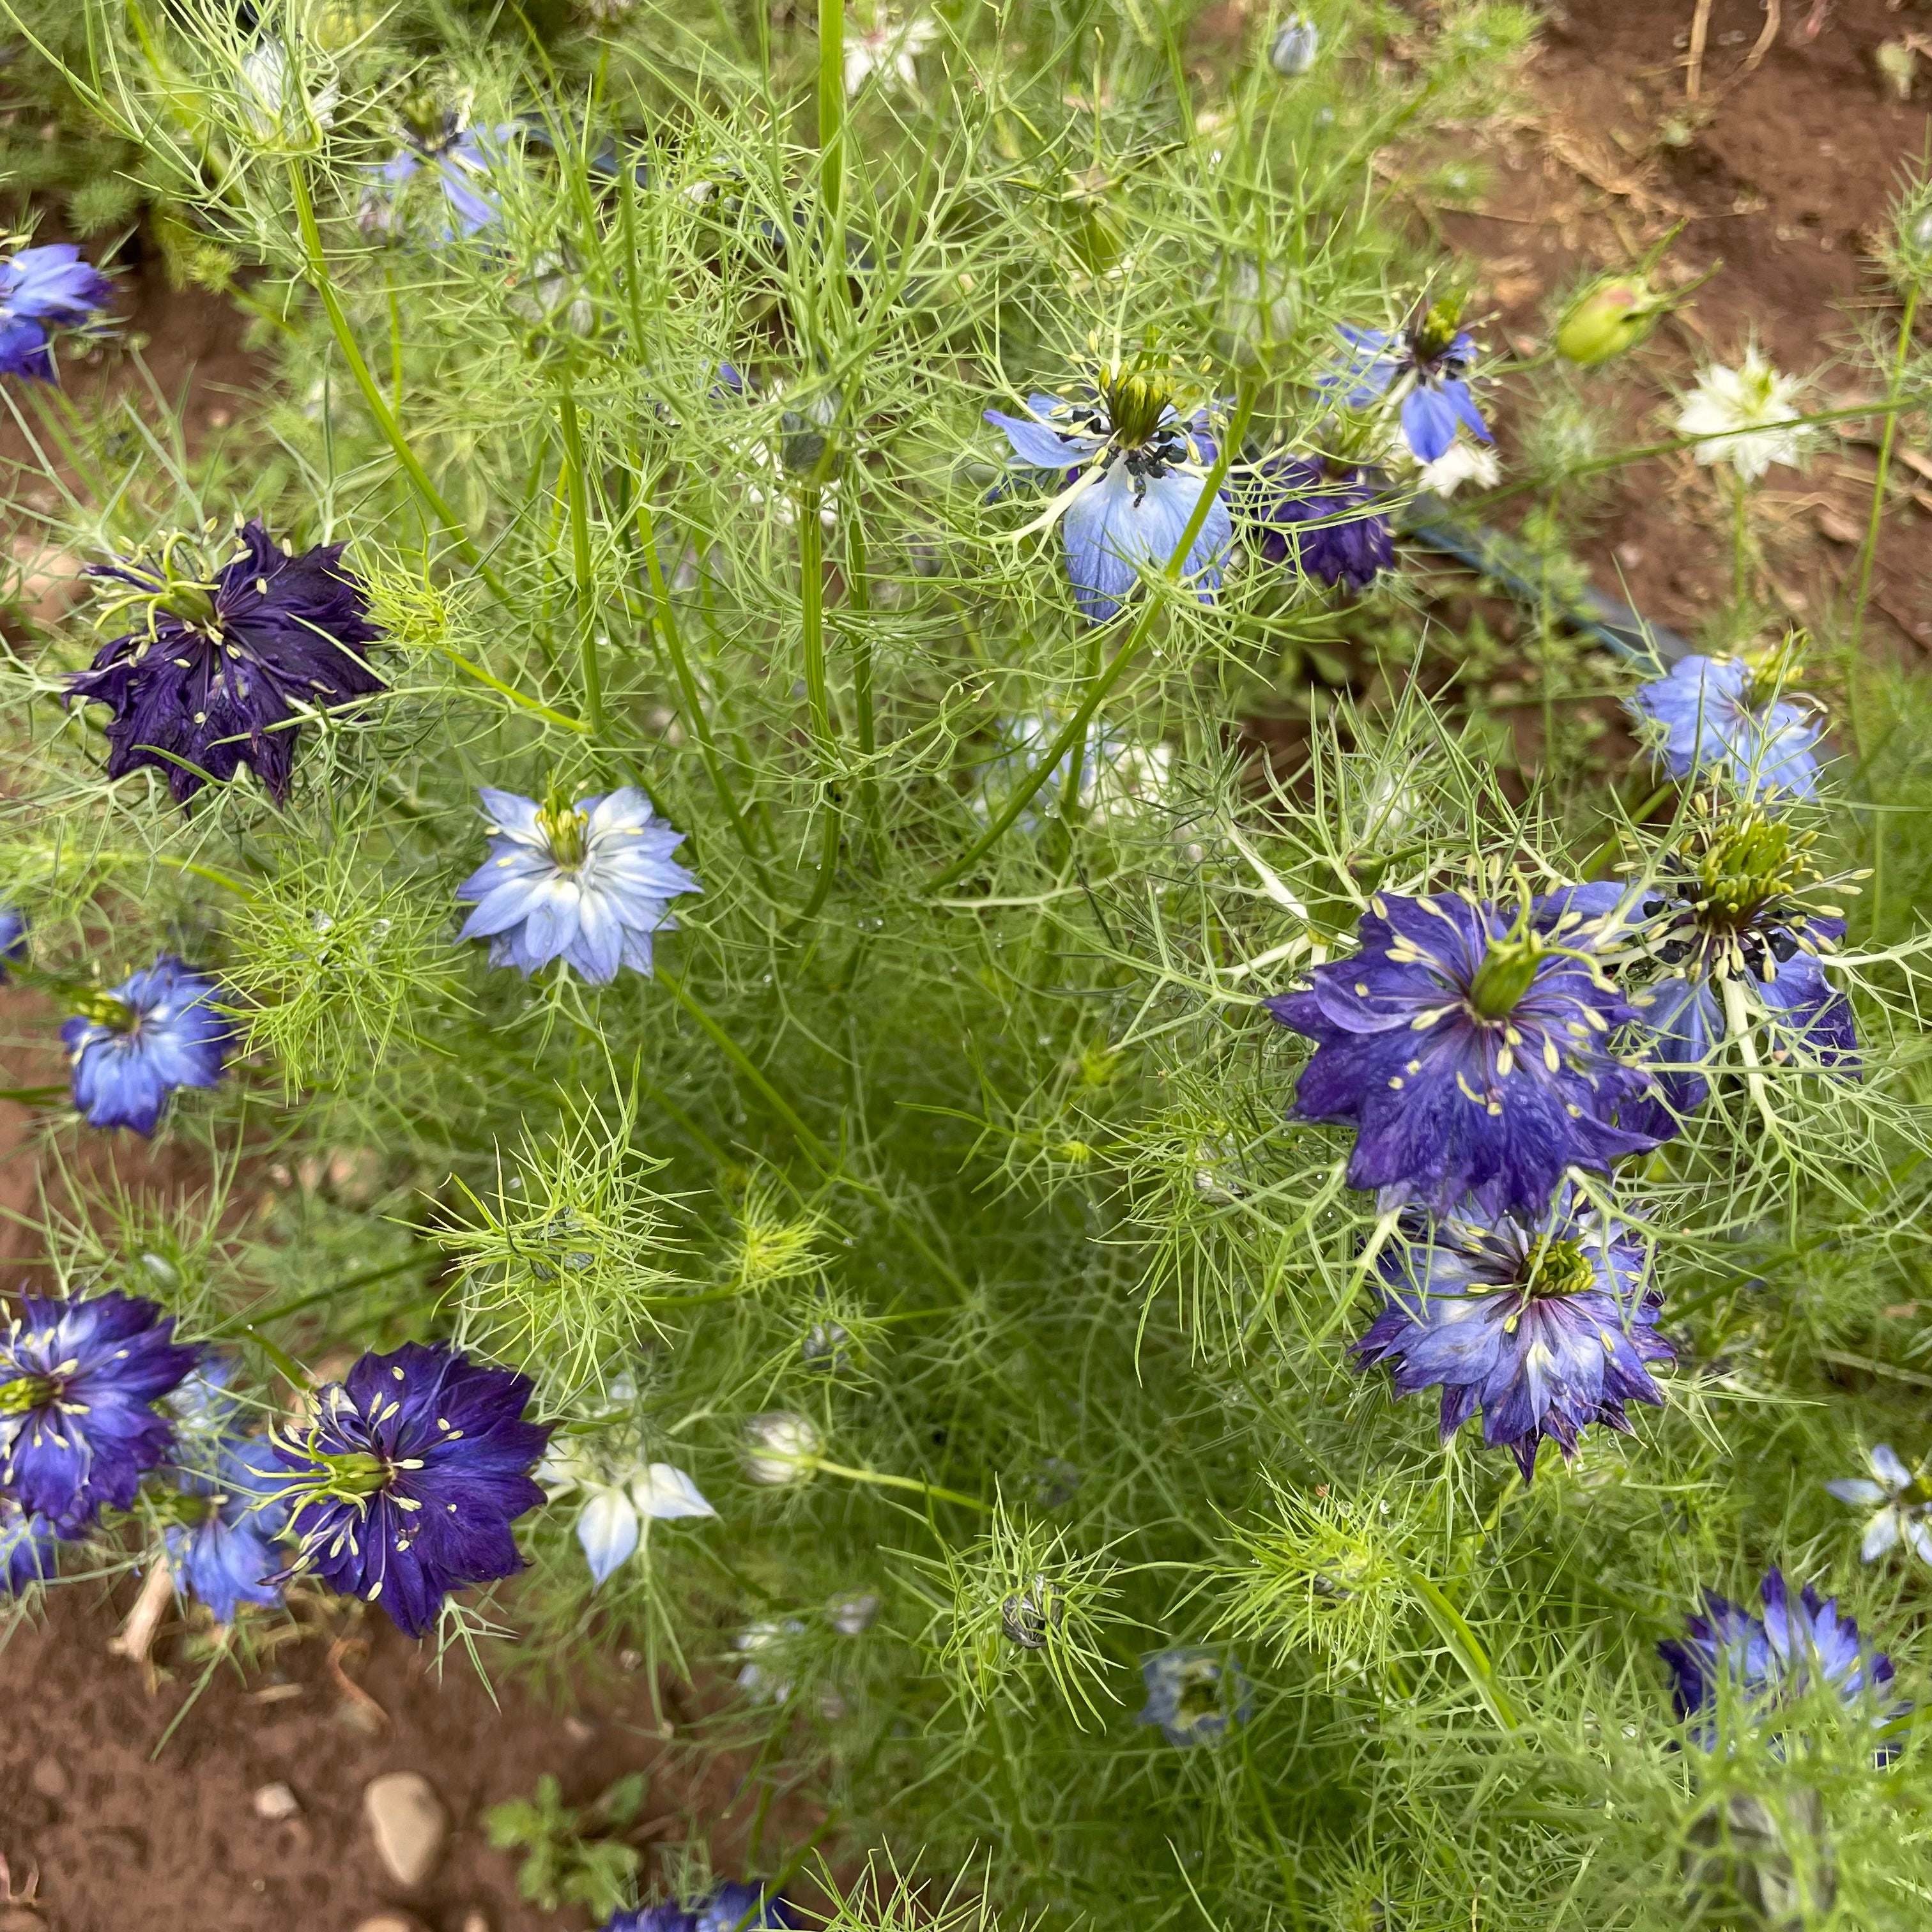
608,1528
666,1493
1856,1490
1881,1535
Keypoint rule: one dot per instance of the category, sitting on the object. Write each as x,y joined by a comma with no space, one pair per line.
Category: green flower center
564,829
1199,1695
1136,399
1441,322
1753,860
104,1010
1508,966
27,1392
1561,1268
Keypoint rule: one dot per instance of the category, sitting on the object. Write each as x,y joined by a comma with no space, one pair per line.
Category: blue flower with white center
1425,368
588,883
1469,1049
403,1479
1904,1514
463,159
1546,1324
1728,914
42,290
29,1548
1747,1669
1194,1693
232,1515
1133,471
78,1383
1318,515
158,1030
1719,715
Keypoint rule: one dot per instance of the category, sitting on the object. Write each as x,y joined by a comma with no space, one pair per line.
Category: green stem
857,589
1740,542
819,1466
1074,732
1890,435
831,109
1467,1648
578,484
818,695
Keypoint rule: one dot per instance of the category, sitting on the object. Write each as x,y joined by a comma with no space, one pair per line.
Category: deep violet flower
12,938
1317,516
1468,1049
78,1381
29,1548
159,1030
225,1552
1426,366
1133,471
1194,1693
1546,1324
1730,917
588,883
1718,715
225,663
403,1479
1752,1667
42,290
729,1907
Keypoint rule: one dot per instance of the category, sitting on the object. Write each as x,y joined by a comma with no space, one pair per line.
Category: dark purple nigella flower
1717,714
729,1907
29,1548
1194,1693
1547,1325
1426,365
42,290
651,1918
79,1380
1467,1050
1730,1664
404,1479
225,1552
1728,915
1316,514
13,939
223,670
159,1029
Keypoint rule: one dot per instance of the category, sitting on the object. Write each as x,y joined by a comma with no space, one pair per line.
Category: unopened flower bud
780,1447
1614,313
1295,47
1028,1615
826,1346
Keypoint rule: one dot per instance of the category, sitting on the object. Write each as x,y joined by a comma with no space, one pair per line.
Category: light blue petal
1040,448
606,1527
1428,421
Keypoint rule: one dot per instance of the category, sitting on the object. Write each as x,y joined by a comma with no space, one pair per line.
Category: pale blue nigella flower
159,1030
13,939
463,159
1720,714
226,1556
1905,1511
1425,365
28,1547
1134,471
587,883
1194,1693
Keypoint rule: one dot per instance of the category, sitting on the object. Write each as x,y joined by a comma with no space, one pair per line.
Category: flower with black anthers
587,883
1731,916
1546,1324
1131,470
1468,1048
1318,515
228,1520
1427,366
1727,717
158,1030
1731,1664
29,1548
227,660
1194,1693
78,1383
404,1478
42,290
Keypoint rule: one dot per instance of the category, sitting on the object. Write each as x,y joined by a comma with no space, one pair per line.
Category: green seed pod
1614,313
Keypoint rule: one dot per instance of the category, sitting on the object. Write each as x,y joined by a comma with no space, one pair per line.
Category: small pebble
390,1921
275,1802
473,1921
408,1823
47,1778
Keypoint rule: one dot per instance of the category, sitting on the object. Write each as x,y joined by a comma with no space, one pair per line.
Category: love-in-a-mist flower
1546,1324
1194,1693
1747,1669
80,1381
159,1030
885,45
29,1548
1725,716
1120,778
1320,517
780,1447
1424,368
1733,916
1134,470
1468,1048
223,1544
1295,48
620,1504
587,883
729,1906
1751,414
41,290
13,939
404,1478
226,661
463,160
1904,1514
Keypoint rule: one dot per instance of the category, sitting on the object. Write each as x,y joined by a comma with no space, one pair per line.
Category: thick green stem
831,107
857,589
818,693
578,485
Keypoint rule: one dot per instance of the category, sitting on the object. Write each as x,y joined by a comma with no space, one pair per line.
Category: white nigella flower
767,1682
890,47
1752,409
273,101
1461,462
620,1507
779,1447
1120,777
852,1614
1906,1514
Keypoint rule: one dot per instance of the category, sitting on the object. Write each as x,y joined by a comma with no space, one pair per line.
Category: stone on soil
275,1802
408,1823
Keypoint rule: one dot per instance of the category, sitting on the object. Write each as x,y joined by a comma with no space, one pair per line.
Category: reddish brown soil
119,1837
